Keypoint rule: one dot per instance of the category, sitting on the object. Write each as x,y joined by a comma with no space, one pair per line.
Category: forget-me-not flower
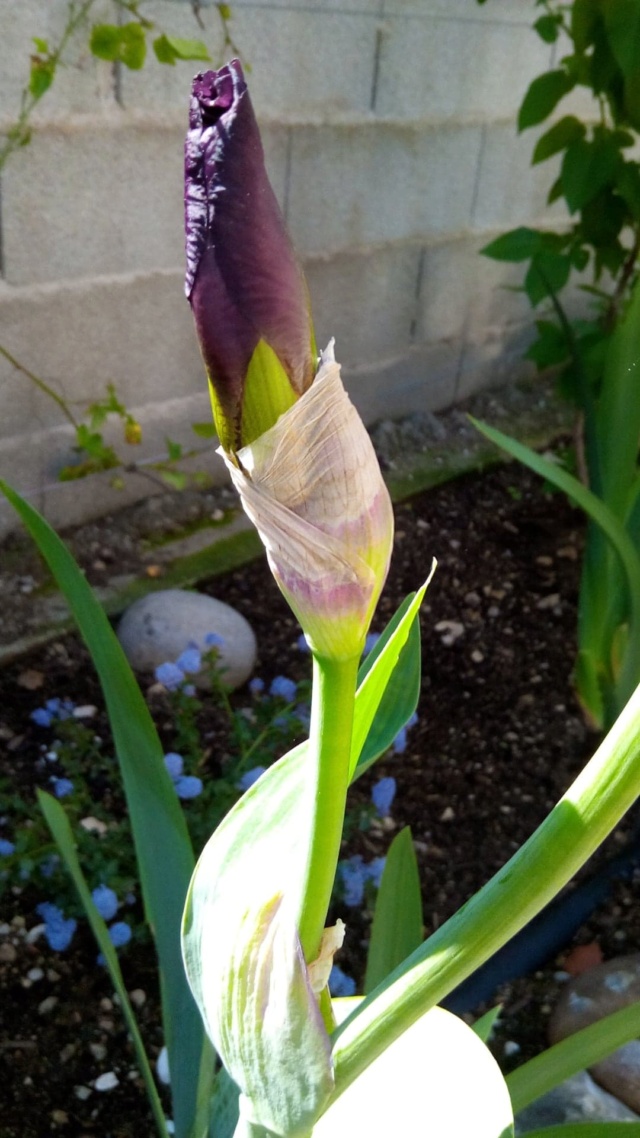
188,786
249,777
190,661
170,676
58,929
353,876
340,984
283,688
383,794
6,847
105,901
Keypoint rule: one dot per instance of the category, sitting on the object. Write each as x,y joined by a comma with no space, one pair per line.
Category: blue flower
213,640
256,686
57,928
188,786
400,742
174,764
353,879
105,901
375,869
302,643
283,688
6,847
370,642
61,786
49,865
119,933
340,984
383,795
190,661
60,708
249,777
41,717
170,675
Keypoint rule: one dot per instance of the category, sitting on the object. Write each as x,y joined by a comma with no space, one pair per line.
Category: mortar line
413,327
376,68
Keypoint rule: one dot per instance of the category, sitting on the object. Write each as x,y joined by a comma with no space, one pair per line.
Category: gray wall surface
389,129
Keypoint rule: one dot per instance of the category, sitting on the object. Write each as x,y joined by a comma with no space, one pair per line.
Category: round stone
158,628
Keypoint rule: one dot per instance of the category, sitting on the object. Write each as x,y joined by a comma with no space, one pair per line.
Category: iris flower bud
297,451
244,284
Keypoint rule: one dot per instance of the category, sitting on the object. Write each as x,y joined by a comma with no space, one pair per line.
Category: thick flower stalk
244,284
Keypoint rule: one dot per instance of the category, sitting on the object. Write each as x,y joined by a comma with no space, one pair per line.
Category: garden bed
499,738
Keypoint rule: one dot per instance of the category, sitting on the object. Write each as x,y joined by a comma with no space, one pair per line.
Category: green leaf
588,1130
41,45
555,192
628,186
156,817
587,168
547,28
575,1053
170,48
437,1078
58,823
204,430
585,17
378,716
567,130
41,76
551,346
133,46
397,920
543,96
547,274
485,1025
622,23
174,450
603,218
105,41
516,245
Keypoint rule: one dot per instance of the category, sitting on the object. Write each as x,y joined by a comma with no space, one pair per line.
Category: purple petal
243,281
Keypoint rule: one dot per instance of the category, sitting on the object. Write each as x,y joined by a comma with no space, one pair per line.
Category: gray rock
578,1099
589,997
156,629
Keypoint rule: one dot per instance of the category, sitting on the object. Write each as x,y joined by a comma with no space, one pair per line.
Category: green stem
332,703
577,825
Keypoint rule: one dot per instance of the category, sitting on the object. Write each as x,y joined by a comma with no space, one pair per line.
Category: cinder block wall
389,128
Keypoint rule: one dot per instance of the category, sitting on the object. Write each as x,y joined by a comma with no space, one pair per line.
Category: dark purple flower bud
243,281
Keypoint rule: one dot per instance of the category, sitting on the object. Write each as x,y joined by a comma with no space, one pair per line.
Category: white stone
107,1081
162,1067
156,629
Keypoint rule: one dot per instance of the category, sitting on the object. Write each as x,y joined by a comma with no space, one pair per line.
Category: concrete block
373,182
303,62
84,84
500,11
423,379
495,359
360,7
463,292
510,191
94,198
135,332
427,69
366,300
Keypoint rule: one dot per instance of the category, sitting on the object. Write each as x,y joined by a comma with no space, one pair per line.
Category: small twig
41,384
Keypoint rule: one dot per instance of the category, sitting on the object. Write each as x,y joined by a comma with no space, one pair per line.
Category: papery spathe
313,488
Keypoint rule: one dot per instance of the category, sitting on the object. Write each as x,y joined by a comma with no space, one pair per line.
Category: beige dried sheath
313,488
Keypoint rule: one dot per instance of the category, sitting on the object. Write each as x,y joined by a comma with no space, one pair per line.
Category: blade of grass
58,823
163,847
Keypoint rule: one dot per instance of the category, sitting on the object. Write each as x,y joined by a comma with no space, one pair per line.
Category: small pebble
35,974
8,953
511,1047
448,814
47,1005
138,997
60,1117
98,1050
107,1081
82,1093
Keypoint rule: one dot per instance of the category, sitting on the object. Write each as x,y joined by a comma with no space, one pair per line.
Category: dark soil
499,739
